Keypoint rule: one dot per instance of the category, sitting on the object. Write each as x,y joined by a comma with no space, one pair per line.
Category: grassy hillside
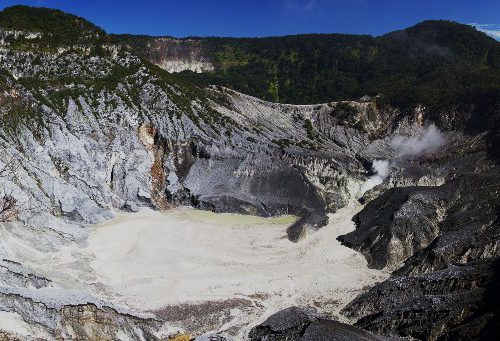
57,27
440,64
434,63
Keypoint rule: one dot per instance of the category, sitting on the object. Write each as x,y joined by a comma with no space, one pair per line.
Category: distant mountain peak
443,30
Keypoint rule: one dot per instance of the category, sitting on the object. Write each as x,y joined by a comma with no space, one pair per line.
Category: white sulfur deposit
148,260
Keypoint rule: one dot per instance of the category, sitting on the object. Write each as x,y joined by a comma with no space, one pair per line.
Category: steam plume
427,141
381,170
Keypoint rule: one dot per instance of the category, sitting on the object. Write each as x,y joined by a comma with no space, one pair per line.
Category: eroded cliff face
36,308
177,55
140,143
84,321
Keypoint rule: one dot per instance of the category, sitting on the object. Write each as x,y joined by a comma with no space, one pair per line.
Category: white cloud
301,5
493,30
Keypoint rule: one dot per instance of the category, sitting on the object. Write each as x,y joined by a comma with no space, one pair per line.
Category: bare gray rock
295,324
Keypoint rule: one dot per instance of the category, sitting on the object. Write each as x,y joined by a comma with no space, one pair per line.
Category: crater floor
207,272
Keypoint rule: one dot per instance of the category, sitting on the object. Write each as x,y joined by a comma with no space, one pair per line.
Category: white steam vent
428,140
381,170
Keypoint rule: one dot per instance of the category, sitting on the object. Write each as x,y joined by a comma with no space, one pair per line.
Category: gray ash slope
94,128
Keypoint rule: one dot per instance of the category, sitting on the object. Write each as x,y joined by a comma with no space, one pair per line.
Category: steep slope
445,240
440,241
133,108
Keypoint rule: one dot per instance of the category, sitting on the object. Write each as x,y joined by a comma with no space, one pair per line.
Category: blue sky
272,17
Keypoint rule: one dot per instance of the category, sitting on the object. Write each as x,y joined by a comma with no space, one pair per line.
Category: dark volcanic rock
276,189
295,324
399,289
397,223
452,304
325,330
448,238
402,221
287,324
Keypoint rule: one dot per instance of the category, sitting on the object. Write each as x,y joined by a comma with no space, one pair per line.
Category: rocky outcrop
90,322
84,321
296,324
14,273
393,227
442,242
402,221
457,303
46,311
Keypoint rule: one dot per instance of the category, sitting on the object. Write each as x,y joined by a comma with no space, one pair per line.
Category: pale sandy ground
149,260
156,259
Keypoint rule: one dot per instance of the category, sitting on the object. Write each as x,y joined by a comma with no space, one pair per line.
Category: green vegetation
57,28
439,64
231,57
14,111
18,114
309,129
283,143
435,63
